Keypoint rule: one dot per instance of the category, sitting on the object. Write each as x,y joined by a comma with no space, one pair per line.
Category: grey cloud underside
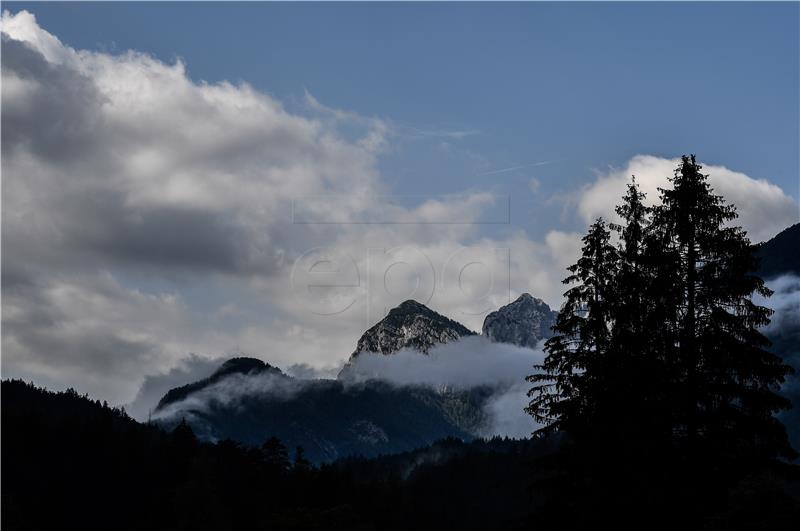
60,342
59,120
79,213
98,229
36,324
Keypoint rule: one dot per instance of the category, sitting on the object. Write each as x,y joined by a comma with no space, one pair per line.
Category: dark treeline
659,377
73,463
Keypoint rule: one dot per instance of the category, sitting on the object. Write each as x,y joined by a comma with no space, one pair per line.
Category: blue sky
153,155
583,86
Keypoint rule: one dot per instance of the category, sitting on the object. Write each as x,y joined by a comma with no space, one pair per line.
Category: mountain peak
242,365
408,325
524,322
527,298
411,304
779,255
412,307
236,365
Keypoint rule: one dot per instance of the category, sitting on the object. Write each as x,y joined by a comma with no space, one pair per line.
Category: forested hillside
95,468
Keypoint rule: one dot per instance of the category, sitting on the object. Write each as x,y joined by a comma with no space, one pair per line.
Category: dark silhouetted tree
634,393
724,380
300,462
658,373
563,397
275,455
183,435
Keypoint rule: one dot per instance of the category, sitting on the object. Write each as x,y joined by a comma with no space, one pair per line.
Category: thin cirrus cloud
127,159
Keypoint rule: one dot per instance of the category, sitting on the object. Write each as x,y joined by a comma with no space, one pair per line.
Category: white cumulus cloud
764,209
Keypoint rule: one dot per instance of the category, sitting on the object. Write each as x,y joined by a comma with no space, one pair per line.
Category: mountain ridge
235,365
779,255
331,419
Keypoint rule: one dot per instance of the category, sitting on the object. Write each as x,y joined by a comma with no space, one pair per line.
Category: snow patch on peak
409,325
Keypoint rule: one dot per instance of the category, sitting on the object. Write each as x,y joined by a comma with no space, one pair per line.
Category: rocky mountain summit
344,417
410,325
523,322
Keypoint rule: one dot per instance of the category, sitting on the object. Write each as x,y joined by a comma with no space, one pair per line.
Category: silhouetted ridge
780,255
242,365
239,365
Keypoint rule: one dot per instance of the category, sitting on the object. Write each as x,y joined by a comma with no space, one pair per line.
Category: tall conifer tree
564,389
658,373
724,379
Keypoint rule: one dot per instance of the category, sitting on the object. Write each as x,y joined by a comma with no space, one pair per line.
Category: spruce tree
300,464
658,373
723,379
275,455
564,390
634,395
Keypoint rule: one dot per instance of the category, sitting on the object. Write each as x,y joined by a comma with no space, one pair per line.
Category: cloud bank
461,365
469,362
764,209
784,332
154,387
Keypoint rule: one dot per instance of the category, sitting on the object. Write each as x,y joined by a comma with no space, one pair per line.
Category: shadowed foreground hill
232,366
249,401
73,463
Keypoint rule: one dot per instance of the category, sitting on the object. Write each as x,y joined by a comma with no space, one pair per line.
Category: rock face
524,322
410,325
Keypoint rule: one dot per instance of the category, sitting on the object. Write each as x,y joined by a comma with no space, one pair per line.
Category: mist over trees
658,375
